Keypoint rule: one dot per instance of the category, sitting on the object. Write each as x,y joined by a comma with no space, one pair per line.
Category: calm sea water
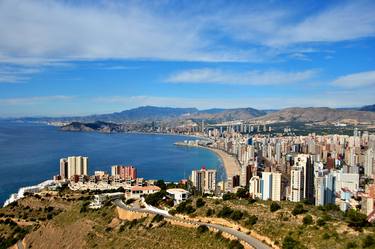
30,153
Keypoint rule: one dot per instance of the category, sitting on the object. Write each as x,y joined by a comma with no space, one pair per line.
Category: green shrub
228,196
129,201
351,245
274,206
356,219
241,193
235,244
200,203
320,222
202,229
155,198
298,209
251,221
307,220
210,212
157,218
325,236
225,212
368,241
290,243
236,215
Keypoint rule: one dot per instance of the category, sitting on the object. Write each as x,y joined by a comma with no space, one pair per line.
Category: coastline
230,164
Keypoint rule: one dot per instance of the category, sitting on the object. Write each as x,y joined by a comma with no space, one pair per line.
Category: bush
157,218
210,212
274,206
252,201
172,212
252,220
241,193
129,201
185,207
325,236
368,241
161,184
155,198
235,244
351,245
225,212
236,215
320,222
199,203
290,243
228,196
202,229
298,209
356,219
307,220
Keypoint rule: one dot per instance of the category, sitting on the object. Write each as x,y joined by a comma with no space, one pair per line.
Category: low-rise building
178,194
137,192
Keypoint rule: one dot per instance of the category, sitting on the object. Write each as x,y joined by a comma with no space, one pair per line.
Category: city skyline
117,55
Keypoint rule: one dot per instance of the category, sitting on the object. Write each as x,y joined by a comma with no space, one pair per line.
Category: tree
320,222
161,184
241,193
235,244
274,206
307,220
225,212
155,198
236,215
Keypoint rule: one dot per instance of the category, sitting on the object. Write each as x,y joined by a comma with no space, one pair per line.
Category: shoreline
230,164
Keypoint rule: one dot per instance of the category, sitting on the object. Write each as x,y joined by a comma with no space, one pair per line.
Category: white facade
254,187
266,185
297,184
178,194
204,180
276,187
77,165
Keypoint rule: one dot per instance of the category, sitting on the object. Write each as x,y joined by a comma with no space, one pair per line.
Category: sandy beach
231,165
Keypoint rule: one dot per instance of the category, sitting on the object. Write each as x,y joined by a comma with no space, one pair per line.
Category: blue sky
85,57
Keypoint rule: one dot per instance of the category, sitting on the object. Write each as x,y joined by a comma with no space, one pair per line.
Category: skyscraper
77,165
297,183
276,186
64,168
204,180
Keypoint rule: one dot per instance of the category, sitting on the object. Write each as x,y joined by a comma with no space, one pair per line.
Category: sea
30,154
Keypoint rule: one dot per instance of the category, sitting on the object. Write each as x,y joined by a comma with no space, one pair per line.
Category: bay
30,153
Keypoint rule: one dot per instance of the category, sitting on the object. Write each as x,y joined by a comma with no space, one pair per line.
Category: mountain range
167,114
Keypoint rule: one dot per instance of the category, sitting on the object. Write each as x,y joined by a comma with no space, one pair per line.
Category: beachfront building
178,195
204,180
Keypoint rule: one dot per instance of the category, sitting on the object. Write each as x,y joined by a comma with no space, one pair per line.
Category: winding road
240,235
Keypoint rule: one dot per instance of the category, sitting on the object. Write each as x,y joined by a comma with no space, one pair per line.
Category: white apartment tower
204,180
276,186
77,165
297,184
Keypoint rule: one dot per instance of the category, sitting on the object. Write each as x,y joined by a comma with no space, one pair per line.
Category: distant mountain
368,108
318,114
221,115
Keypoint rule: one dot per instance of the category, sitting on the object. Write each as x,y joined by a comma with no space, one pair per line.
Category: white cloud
34,100
362,79
207,75
10,74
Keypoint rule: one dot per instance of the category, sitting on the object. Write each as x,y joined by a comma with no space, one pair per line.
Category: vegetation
308,220
156,198
199,203
298,209
274,206
290,243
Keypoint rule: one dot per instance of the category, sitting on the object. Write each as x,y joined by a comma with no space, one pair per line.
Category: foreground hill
318,114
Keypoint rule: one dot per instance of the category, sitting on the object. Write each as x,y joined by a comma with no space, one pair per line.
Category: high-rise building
325,189
297,183
64,168
204,180
124,172
276,187
266,185
254,187
73,166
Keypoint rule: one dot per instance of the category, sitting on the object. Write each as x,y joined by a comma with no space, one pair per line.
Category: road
240,235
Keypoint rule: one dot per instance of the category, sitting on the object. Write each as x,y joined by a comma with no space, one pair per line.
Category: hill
318,114
368,108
